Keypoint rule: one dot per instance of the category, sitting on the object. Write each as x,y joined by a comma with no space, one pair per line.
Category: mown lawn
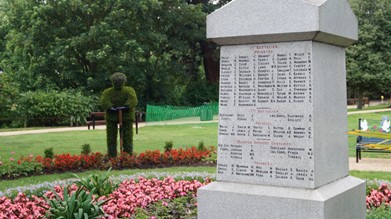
380,106
33,180
149,138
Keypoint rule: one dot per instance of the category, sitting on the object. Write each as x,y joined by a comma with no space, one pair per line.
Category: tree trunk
359,99
211,61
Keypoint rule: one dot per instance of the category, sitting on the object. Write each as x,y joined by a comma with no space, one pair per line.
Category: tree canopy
159,44
73,44
368,60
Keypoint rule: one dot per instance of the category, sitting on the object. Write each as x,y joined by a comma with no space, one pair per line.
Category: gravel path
369,111
370,164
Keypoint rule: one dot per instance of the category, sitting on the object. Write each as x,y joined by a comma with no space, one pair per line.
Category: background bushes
51,108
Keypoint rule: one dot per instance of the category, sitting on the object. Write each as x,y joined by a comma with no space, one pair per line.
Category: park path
369,111
370,164
366,164
40,131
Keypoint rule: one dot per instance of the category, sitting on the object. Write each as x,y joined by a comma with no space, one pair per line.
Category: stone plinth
340,199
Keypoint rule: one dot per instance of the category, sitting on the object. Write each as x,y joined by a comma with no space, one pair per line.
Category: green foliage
97,184
79,44
15,170
8,95
119,96
168,146
201,146
49,153
125,97
53,107
372,185
368,67
118,79
86,149
183,207
201,91
382,212
212,158
79,204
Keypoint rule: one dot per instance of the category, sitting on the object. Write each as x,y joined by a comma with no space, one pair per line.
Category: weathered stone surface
340,199
282,114
282,147
263,21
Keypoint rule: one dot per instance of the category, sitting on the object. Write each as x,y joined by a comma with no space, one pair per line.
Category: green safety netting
164,113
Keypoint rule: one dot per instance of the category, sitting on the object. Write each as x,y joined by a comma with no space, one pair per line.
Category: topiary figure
112,99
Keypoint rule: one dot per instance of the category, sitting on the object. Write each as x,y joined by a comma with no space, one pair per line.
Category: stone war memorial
282,144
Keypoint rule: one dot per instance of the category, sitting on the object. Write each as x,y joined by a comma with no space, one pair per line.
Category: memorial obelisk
282,145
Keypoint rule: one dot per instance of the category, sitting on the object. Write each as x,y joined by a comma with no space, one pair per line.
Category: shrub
53,107
201,146
211,157
132,195
78,204
67,162
22,207
372,185
182,207
383,211
378,197
168,146
86,149
99,185
24,167
176,199
49,153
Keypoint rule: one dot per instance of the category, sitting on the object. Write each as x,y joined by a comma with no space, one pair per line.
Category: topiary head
118,79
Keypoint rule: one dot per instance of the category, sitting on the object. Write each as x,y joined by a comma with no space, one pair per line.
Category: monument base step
344,198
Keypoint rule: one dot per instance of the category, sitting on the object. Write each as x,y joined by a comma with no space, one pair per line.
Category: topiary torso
126,96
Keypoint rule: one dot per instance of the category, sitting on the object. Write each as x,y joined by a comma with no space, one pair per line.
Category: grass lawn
33,180
373,175
149,138
380,106
25,181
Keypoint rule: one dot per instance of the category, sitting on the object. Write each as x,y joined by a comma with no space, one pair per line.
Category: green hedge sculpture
119,96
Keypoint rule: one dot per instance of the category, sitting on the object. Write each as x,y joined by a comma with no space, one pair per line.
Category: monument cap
264,21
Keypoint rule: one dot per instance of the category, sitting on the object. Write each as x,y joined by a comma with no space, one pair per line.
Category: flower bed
27,166
378,197
131,195
126,200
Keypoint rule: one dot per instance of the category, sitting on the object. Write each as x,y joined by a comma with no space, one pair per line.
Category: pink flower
13,152
12,159
153,217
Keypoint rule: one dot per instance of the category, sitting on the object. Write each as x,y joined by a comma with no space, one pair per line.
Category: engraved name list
265,118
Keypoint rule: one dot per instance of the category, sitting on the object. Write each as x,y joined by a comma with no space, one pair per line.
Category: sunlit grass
149,138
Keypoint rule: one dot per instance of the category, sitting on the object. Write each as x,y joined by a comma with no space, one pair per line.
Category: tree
368,60
210,51
8,94
62,44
